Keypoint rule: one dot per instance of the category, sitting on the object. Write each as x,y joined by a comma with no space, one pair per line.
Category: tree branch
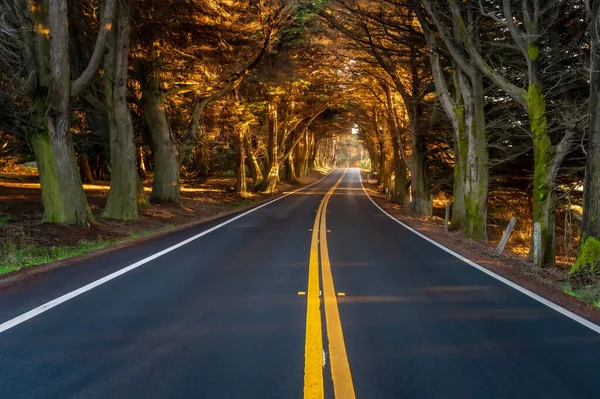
106,25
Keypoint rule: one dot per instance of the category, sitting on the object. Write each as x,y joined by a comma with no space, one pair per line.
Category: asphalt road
231,314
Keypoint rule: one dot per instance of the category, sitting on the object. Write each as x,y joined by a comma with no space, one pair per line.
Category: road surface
318,294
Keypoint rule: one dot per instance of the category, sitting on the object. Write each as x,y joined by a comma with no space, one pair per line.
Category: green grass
17,256
4,219
589,294
147,232
20,254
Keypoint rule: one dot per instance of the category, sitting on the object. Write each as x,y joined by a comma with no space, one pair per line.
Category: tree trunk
461,145
142,163
123,195
292,175
253,166
240,184
589,251
100,168
270,181
46,165
165,186
475,188
466,111
84,169
142,198
71,205
400,181
312,155
544,197
381,172
421,200
306,164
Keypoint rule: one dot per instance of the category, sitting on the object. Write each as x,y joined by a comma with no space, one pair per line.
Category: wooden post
505,236
447,218
537,244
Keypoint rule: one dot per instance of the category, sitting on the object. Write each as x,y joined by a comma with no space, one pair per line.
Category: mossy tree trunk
527,39
72,207
46,165
62,192
123,195
544,197
466,111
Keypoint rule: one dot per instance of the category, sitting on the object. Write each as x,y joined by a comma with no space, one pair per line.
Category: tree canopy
469,101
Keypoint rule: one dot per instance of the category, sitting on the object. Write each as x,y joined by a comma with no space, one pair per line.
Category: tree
43,46
529,38
125,189
384,31
465,109
585,268
206,22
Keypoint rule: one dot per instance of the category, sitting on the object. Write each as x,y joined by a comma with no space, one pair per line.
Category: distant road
318,294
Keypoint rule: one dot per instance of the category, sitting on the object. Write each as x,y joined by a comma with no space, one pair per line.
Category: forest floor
25,241
549,282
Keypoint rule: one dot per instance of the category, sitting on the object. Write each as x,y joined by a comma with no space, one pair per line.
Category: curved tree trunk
165,186
253,166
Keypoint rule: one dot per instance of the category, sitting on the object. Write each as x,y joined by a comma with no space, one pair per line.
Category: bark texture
123,195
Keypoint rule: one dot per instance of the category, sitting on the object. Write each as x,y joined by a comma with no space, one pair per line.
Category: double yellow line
313,349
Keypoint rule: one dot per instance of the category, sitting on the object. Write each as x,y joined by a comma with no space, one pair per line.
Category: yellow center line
313,367
340,368
313,347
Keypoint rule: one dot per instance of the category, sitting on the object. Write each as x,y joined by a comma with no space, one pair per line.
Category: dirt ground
512,264
21,210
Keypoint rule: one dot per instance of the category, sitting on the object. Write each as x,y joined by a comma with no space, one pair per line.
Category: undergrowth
15,256
589,294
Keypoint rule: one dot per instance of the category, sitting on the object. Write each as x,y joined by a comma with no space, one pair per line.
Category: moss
542,158
462,29
459,212
51,197
588,258
533,51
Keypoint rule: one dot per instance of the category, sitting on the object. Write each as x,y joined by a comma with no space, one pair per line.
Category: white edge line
490,273
7,325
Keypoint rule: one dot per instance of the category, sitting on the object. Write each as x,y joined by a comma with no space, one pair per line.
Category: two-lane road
316,294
